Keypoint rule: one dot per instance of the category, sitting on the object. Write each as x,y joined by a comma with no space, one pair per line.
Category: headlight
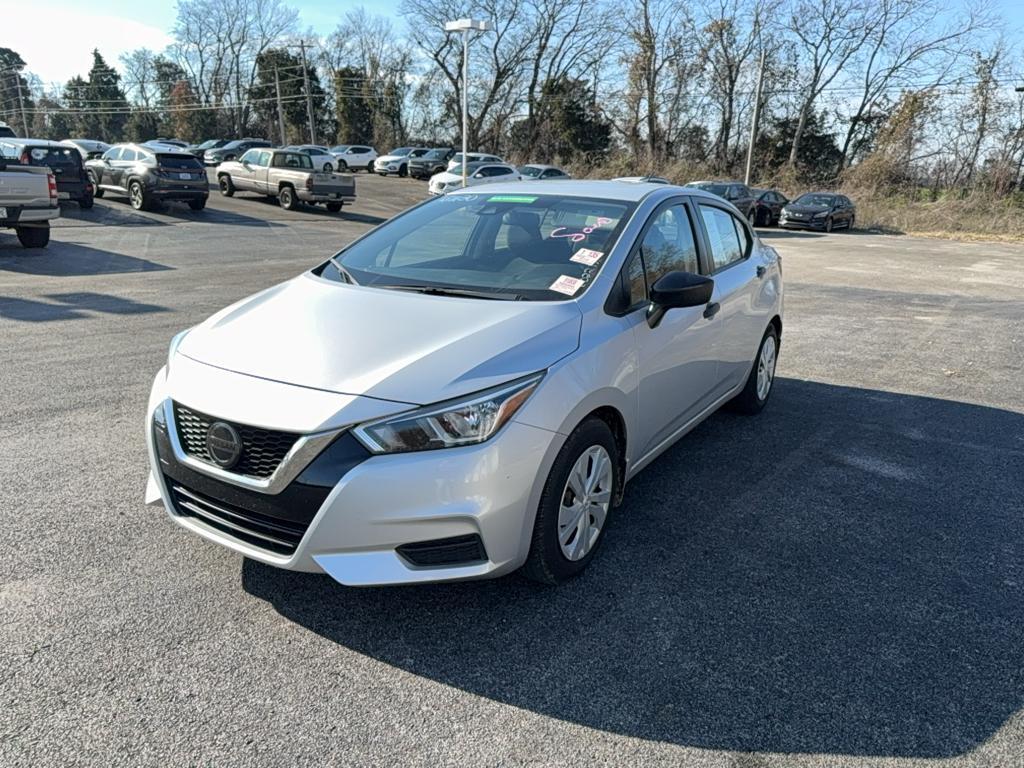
821,215
175,343
450,425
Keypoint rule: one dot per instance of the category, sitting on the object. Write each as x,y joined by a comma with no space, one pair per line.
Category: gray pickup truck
28,202
288,176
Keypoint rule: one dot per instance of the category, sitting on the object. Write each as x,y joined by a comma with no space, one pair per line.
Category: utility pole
280,112
465,26
757,117
309,96
21,103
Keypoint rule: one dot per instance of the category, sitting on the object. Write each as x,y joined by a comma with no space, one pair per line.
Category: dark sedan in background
232,150
736,192
199,150
768,204
822,211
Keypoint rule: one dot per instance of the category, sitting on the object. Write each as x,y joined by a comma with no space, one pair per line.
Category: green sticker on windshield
511,199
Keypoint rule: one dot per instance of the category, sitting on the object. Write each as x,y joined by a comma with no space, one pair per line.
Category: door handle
761,270
712,309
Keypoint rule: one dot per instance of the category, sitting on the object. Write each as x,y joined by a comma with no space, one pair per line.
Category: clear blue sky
115,26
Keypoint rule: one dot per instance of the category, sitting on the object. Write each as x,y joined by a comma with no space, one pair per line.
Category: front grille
263,450
267,533
457,550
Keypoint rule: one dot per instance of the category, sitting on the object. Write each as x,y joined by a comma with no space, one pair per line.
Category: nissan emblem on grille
223,444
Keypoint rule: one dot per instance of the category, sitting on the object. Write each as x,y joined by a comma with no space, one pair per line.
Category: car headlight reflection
450,425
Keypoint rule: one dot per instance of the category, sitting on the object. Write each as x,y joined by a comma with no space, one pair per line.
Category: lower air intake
457,550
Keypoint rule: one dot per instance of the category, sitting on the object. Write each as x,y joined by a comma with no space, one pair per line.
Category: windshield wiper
436,290
342,271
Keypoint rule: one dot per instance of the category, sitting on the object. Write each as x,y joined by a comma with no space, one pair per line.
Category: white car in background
320,156
477,174
474,157
397,160
354,157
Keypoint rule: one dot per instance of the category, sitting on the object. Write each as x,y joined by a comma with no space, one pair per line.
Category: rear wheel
853,220
762,376
137,196
287,199
328,168
97,190
369,167
227,187
33,237
197,205
334,207
85,203
575,505
403,171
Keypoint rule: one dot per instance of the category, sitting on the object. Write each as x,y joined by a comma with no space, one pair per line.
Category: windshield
533,247
436,154
401,151
823,201
531,171
207,144
339,148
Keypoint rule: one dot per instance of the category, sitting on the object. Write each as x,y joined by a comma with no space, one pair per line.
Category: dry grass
975,217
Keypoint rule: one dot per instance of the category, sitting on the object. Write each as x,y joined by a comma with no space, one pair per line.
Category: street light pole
465,26
753,125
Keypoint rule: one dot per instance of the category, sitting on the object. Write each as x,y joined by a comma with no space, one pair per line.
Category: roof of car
629,191
541,166
33,142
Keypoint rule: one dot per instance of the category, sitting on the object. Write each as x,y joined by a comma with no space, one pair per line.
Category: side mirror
676,290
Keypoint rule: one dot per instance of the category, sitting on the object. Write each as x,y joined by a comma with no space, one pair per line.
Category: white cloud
57,45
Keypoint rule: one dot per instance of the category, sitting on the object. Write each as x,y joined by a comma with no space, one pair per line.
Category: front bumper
802,223
382,503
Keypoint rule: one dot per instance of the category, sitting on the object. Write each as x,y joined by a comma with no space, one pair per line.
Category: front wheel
762,376
97,191
227,187
828,224
287,199
342,166
575,505
752,217
853,221
403,171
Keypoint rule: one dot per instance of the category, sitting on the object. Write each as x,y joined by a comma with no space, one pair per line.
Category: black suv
63,161
232,150
435,161
146,175
736,192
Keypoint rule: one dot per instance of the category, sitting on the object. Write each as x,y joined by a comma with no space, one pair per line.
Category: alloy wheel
766,367
585,502
135,195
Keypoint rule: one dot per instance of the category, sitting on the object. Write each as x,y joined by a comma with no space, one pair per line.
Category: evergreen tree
98,104
15,98
355,117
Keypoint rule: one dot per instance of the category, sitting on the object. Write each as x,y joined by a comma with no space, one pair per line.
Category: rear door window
128,155
114,153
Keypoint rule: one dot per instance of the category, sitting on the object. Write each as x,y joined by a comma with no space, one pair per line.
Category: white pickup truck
28,202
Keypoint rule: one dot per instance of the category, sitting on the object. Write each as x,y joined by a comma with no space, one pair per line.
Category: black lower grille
263,450
267,533
457,550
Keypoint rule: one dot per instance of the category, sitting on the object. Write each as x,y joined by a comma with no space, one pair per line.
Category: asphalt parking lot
838,582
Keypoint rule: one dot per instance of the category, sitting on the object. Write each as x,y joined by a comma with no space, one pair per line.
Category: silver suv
466,389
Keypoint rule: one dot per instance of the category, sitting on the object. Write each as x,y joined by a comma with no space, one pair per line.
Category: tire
342,166
756,392
227,187
328,168
403,171
853,220
828,224
86,202
334,207
197,205
137,196
369,167
97,190
33,237
752,217
287,199
548,561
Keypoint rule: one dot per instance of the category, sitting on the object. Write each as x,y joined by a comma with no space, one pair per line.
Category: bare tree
829,34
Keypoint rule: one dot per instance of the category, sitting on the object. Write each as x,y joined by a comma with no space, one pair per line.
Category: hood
445,176
392,158
390,345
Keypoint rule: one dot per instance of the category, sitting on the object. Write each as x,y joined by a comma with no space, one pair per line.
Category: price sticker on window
586,256
567,285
